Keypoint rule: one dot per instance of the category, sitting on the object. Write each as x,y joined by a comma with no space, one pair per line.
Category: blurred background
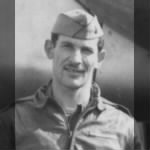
124,77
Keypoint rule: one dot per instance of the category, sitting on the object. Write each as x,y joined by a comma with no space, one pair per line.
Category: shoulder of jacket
7,107
24,99
24,106
117,106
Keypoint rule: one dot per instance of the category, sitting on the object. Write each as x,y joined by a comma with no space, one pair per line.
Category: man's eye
87,50
67,45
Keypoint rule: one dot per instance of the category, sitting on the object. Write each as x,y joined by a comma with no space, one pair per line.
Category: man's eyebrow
66,42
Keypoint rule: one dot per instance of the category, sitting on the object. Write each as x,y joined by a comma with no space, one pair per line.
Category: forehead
78,42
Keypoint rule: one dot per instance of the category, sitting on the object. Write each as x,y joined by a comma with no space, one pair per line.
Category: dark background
7,52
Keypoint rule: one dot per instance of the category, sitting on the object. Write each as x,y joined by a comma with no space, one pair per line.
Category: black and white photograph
74,75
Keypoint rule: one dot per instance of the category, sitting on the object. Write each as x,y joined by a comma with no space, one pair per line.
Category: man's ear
101,56
49,46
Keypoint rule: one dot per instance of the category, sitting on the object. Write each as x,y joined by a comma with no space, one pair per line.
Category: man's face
74,61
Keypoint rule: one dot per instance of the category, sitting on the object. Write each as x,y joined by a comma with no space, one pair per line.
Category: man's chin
74,84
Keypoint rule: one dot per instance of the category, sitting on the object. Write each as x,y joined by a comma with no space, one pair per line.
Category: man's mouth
74,70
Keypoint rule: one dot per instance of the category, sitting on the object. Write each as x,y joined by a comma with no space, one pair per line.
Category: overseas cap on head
78,24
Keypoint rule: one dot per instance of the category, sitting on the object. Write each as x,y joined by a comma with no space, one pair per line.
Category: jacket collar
45,94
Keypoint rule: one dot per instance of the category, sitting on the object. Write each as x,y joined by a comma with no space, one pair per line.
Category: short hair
100,44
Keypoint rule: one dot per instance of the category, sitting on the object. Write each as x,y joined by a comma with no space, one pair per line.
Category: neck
69,98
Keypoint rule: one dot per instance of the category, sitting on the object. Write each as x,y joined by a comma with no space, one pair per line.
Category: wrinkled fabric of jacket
41,124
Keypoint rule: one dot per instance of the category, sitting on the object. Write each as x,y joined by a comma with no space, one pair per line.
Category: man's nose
77,56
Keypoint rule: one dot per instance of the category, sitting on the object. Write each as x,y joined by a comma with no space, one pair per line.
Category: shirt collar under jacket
41,98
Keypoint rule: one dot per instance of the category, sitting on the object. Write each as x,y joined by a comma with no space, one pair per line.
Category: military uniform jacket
41,124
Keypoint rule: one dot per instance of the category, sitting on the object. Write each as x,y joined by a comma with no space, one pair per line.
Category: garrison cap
78,24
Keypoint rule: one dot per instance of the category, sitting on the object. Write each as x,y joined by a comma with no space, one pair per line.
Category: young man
69,113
